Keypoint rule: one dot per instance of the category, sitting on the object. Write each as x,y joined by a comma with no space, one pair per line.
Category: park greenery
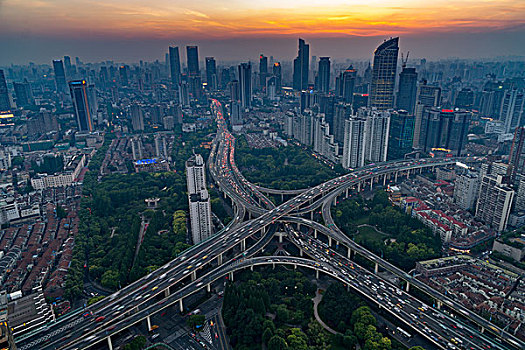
274,308
285,168
386,230
138,343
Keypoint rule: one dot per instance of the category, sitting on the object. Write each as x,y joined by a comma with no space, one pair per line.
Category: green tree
196,321
61,212
277,343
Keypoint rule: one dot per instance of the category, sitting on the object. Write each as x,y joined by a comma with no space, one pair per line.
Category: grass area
368,233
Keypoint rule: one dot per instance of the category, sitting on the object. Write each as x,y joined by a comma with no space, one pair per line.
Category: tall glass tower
384,75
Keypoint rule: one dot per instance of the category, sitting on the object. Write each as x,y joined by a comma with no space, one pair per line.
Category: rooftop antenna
403,60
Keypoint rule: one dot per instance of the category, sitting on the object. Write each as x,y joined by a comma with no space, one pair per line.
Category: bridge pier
110,344
194,275
282,197
148,320
371,184
311,215
167,292
208,287
408,173
251,267
349,253
295,266
316,274
395,177
359,186
438,304
376,268
280,238
329,241
315,233
335,201
301,253
346,192
243,244
384,181
181,306
482,330
231,276
407,288
219,259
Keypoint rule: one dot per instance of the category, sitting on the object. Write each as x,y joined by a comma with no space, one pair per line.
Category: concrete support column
317,274
335,200
280,238
273,266
384,181
315,233
231,276
438,304
295,266
166,292
359,186
251,267
312,215
347,287
407,288
371,184
148,320
329,241
219,259
282,197
420,170
110,344
349,254
208,287
243,244
347,192
395,177
300,252
482,329
194,275
181,306
376,268
408,173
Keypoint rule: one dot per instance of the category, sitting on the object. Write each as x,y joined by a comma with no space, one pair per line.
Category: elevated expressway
234,248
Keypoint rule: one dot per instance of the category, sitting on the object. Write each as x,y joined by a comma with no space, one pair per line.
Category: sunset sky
133,28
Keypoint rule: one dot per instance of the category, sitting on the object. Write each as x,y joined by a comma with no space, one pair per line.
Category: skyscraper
512,109
137,117
278,76
444,128
211,73
263,71
67,64
401,134
406,94
384,75
5,104
81,104
192,56
300,66
23,93
517,155
245,84
324,75
494,202
123,72
354,143
174,59
347,82
199,200
60,76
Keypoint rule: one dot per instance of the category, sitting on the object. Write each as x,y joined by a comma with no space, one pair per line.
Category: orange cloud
212,19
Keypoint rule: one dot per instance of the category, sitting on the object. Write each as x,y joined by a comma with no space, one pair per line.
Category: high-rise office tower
300,66
236,119
406,94
67,64
192,57
324,75
464,99
199,200
512,109
81,97
123,72
444,128
517,155
401,134
347,84
235,94
23,93
491,98
5,103
245,84
427,96
278,76
137,117
341,113
263,71
60,76
184,94
384,75
494,202
211,73
175,72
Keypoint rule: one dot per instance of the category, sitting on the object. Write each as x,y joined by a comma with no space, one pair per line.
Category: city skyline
98,31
